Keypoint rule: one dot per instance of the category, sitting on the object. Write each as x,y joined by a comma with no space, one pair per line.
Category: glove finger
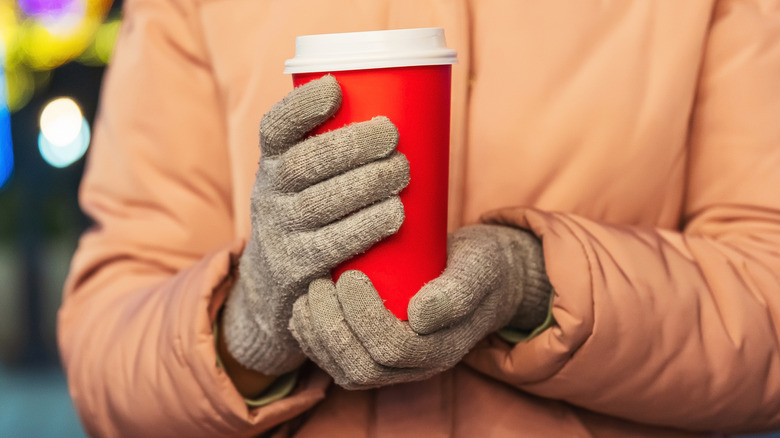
332,153
357,369
300,111
388,340
392,343
302,329
339,196
332,244
473,270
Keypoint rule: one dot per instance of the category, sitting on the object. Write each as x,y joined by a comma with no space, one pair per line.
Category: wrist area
515,335
256,388
527,277
251,336
535,306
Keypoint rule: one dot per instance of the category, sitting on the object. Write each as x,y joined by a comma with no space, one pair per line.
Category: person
613,263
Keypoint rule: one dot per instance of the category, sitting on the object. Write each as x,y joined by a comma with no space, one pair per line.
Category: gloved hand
494,274
315,203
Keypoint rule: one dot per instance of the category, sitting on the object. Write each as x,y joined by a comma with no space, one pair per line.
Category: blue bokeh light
6,148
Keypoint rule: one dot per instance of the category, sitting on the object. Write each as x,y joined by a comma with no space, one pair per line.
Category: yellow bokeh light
102,46
61,121
41,42
44,50
105,39
20,85
8,20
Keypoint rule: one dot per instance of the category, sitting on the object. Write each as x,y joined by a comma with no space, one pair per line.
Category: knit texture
316,202
346,329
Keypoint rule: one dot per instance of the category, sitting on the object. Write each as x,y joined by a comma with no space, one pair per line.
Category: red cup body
417,100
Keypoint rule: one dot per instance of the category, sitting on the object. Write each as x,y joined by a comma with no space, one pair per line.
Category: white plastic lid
367,50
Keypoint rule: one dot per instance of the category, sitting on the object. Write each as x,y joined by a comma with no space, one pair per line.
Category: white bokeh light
61,121
65,155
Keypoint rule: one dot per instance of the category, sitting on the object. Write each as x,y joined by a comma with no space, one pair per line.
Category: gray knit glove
315,203
494,273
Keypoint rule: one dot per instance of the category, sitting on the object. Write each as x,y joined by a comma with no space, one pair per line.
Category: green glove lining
515,336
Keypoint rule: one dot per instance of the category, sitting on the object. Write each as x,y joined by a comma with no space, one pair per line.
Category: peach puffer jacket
639,139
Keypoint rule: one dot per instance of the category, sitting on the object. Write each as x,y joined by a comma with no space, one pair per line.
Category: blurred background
52,57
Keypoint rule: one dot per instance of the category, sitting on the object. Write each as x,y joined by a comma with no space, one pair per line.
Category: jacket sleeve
134,329
676,327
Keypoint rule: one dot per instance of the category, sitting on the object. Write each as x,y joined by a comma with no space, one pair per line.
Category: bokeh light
61,121
6,147
99,52
67,154
46,45
59,17
105,38
41,35
45,7
65,134
21,86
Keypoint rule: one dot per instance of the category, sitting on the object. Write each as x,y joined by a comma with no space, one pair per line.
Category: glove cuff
532,284
252,341
535,305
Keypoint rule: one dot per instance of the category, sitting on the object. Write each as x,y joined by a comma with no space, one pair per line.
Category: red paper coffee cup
403,75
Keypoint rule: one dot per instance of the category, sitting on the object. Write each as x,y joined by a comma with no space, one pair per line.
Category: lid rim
363,66
369,50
